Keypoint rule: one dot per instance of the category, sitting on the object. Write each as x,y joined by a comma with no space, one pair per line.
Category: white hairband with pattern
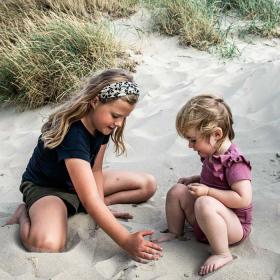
119,89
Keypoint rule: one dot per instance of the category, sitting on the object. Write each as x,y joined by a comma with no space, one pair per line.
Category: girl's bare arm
97,171
86,188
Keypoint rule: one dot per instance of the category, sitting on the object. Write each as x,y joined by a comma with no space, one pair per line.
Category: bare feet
215,262
121,215
20,212
166,236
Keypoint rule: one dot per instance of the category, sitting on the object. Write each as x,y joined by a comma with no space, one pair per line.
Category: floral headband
119,89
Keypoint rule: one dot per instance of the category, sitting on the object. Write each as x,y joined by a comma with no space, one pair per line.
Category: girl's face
106,117
205,147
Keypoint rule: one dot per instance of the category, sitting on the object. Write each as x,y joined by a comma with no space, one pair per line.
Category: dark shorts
32,192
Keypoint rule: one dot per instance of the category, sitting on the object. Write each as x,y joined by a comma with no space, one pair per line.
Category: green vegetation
13,14
201,23
262,16
191,20
47,63
47,46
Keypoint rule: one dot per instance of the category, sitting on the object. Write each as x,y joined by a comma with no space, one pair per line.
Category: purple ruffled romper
221,172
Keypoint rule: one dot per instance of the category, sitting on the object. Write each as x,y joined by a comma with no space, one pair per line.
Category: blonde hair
58,123
204,113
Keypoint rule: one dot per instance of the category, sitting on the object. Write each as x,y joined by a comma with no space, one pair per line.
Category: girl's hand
142,249
121,215
185,180
198,190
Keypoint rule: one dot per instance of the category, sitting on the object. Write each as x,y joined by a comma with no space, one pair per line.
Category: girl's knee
177,191
204,205
46,243
148,186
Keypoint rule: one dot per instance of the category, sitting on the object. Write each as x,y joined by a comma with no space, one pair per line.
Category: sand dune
168,76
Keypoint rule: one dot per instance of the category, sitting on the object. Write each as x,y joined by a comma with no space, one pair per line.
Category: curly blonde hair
204,113
59,122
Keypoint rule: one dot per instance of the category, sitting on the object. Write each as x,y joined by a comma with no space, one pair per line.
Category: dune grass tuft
14,12
200,23
47,63
262,16
114,8
47,46
191,20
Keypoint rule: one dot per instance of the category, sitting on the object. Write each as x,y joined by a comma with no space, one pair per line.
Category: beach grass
13,13
114,8
200,23
262,17
47,46
193,21
46,64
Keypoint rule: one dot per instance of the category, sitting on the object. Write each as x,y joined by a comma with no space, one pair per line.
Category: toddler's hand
185,180
198,190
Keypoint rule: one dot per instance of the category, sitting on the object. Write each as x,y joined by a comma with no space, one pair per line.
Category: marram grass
191,20
198,23
47,63
262,16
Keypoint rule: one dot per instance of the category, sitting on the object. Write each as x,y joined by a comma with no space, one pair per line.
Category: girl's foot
121,215
20,212
215,262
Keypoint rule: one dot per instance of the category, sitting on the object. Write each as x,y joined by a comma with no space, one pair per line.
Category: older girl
64,175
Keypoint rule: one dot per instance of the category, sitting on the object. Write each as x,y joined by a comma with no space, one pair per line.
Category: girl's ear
218,133
94,102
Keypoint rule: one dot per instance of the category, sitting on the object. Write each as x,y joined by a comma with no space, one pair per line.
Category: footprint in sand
111,268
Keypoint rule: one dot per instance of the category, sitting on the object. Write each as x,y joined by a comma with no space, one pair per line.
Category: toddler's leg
221,226
127,187
179,207
45,228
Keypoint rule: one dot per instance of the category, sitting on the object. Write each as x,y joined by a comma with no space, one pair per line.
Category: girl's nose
118,123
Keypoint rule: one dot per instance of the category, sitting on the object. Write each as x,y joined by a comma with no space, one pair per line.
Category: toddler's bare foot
215,262
167,236
20,211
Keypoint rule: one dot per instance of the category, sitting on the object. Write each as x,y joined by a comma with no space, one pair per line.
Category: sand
168,75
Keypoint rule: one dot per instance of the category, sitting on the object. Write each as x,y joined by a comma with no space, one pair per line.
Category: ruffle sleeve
231,166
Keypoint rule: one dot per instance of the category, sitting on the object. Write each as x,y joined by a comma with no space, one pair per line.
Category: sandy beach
168,76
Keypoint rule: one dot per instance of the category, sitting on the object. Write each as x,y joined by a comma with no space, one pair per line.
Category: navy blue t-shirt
47,167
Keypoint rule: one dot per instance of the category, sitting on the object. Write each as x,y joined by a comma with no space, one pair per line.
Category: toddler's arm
239,196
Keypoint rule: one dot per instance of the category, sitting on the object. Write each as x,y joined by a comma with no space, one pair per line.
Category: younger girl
64,175
218,203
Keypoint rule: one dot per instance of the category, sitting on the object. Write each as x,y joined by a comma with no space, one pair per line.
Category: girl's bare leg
44,228
179,207
221,227
127,187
